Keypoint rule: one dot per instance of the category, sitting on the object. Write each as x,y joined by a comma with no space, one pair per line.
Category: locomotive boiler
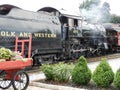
55,35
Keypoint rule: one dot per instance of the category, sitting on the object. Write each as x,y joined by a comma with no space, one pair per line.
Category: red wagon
12,72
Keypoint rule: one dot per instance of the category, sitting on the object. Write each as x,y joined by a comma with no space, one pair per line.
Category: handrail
23,44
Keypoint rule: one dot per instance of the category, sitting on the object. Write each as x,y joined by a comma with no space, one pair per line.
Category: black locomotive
55,35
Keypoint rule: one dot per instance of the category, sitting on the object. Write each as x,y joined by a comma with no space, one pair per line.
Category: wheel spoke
20,81
4,84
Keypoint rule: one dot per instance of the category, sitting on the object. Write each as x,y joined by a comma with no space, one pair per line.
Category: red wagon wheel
20,80
4,83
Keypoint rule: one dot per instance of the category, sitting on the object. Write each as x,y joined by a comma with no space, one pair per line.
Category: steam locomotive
55,35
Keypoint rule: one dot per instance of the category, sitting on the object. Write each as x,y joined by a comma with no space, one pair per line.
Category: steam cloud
95,14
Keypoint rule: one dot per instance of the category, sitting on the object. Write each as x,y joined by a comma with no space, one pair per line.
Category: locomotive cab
71,32
72,25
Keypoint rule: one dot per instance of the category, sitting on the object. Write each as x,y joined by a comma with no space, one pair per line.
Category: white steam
95,14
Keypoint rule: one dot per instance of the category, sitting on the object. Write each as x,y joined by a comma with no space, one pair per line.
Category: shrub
48,71
62,72
59,72
117,79
103,75
81,74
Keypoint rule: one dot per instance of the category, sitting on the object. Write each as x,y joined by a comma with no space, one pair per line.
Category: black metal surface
45,29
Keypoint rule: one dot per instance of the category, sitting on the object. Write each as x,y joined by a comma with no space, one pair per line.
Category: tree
116,81
115,19
106,12
81,73
103,75
87,4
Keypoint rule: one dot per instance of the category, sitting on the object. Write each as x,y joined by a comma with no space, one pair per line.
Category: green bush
48,71
81,74
62,72
103,75
117,79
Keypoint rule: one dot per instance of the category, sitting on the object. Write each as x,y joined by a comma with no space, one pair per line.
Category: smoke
96,14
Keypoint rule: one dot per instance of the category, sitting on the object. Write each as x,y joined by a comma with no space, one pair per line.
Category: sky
70,5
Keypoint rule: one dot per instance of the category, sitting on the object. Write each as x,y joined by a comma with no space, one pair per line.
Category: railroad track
109,56
34,70
92,59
